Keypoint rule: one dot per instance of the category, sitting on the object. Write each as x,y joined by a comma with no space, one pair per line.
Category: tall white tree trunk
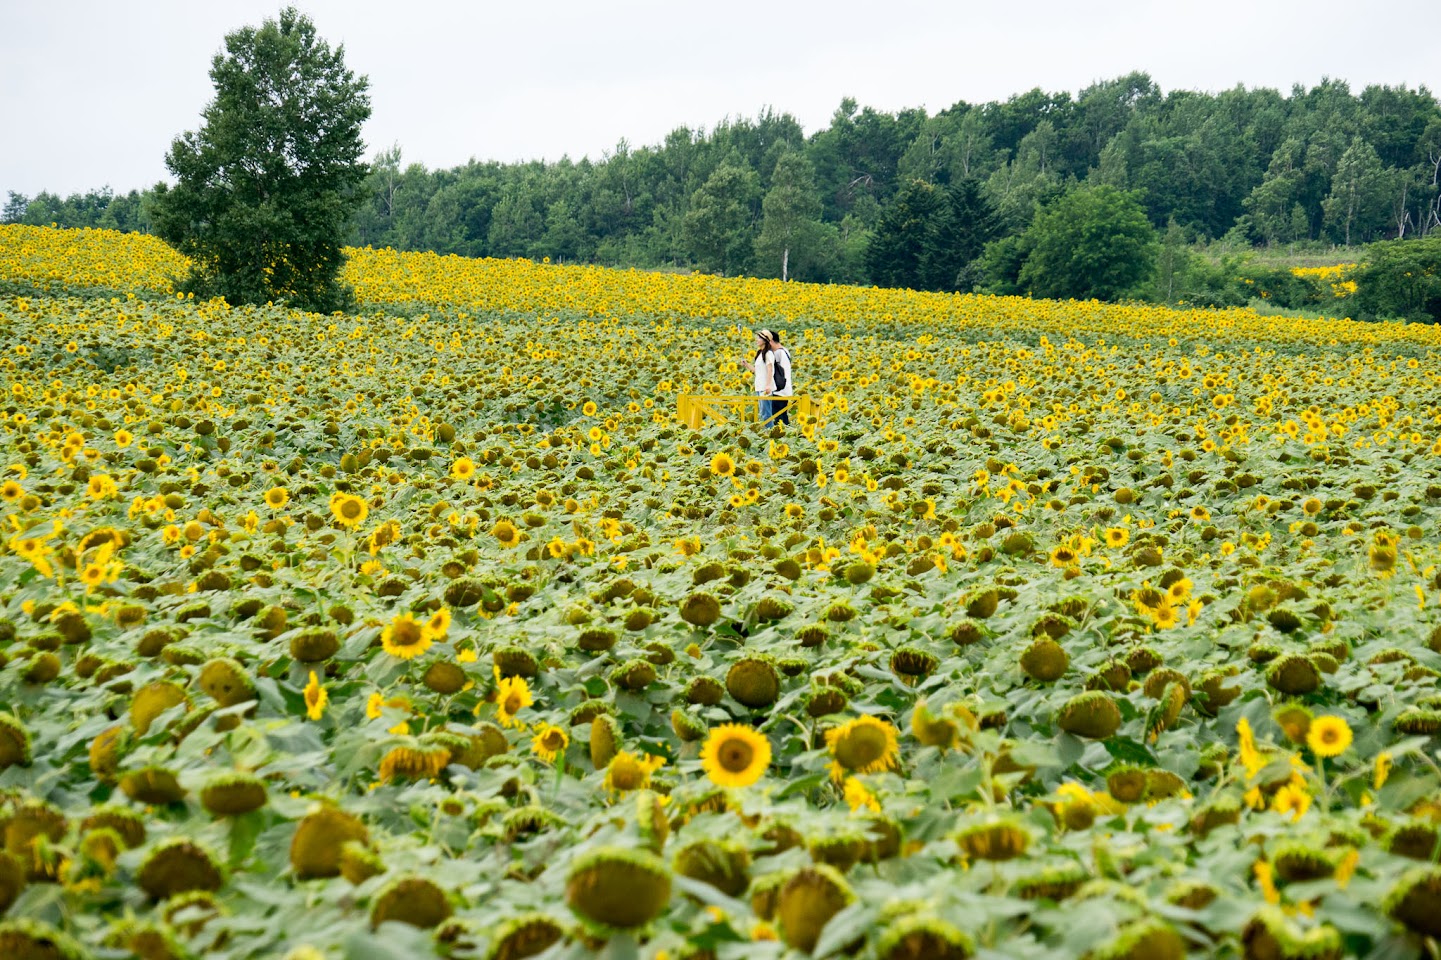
785,263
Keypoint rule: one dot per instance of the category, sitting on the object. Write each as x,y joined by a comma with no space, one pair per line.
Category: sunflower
10,491
1117,536
463,469
859,797
1328,736
1291,799
588,408
315,698
123,438
382,536
405,637
277,497
439,624
862,745
1200,513
627,771
349,510
101,487
549,742
1382,554
377,703
735,756
413,763
1294,720
505,532
1165,616
722,465
511,696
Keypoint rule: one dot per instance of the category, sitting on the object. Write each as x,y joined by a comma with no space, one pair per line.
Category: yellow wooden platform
696,408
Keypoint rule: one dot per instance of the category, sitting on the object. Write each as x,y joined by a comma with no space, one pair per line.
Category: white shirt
783,359
762,371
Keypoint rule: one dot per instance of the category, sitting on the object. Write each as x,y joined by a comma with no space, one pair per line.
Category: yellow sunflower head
511,696
439,623
627,771
506,534
405,637
735,756
349,510
862,745
549,742
1328,736
315,698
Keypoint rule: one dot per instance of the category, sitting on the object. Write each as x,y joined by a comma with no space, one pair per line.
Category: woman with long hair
762,366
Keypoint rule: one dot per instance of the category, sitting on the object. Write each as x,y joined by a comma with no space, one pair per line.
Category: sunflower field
1063,630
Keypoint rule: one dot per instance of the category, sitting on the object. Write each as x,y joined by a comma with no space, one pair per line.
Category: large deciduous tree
1360,193
790,218
1400,280
266,185
722,216
1093,243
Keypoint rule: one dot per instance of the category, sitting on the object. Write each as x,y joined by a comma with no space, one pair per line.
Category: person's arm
770,377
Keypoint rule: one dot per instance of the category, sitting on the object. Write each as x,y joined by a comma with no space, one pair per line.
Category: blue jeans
778,407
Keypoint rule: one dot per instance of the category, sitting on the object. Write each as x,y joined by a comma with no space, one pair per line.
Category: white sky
93,91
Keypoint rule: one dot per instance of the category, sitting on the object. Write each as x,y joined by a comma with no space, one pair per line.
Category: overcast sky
93,91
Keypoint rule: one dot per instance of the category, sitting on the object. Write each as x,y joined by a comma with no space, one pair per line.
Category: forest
909,198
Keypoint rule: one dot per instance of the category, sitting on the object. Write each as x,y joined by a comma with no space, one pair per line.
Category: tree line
960,200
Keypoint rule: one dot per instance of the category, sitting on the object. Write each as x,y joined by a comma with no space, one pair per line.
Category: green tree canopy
903,235
1360,191
1401,280
1093,243
722,215
267,184
962,225
790,219
930,236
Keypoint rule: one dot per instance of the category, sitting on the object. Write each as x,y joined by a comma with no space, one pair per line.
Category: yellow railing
694,409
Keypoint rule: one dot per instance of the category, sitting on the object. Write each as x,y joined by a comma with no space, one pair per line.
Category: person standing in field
762,366
781,379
